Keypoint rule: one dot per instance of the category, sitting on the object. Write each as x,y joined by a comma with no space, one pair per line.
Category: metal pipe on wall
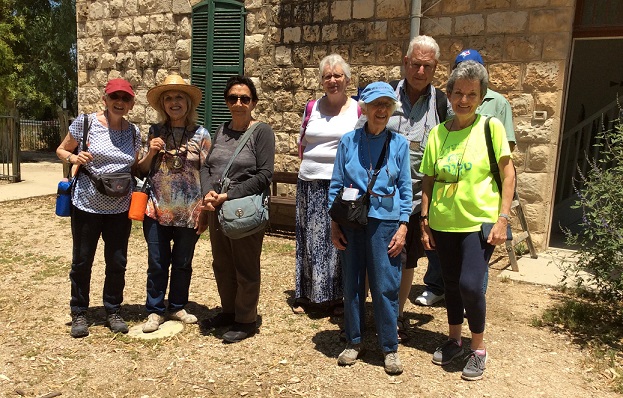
416,13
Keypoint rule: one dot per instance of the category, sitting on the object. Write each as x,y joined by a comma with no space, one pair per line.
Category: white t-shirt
321,138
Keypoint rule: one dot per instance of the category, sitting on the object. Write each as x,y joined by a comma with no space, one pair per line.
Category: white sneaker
153,323
428,298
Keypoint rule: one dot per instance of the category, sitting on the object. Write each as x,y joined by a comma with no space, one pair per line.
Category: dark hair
243,80
469,70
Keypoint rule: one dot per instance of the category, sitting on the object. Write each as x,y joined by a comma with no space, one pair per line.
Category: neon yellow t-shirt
464,194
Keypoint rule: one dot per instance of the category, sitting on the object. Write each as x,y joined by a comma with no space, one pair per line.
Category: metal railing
9,148
39,135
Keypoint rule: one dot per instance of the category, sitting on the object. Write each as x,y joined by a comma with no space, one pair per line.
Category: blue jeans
86,229
367,251
160,255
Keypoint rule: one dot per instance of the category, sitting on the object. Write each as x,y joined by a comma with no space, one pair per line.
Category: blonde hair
191,114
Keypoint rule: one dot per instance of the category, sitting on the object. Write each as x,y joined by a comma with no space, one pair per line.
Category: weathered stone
302,13
488,4
455,6
352,31
292,79
377,30
536,216
107,61
83,78
310,78
157,59
292,35
282,101
329,32
531,187
535,133
342,49
394,73
253,45
392,8
556,20
311,33
184,67
523,48
504,76
282,143
363,9
114,74
470,25
142,59
399,29
369,74
165,42
100,78
113,44
156,23
161,74
81,30
130,7
115,7
543,76
320,11
184,28
94,28
556,46
283,56
300,99
109,27
390,53
292,120
519,158
148,6
522,104
340,10
250,4
532,3
141,25
82,12
125,61
549,102
490,47
149,78
436,27
363,53
539,158
98,10
124,26
134,77
97,44
318,53
272,78
182,49
181,7
433,7
507,22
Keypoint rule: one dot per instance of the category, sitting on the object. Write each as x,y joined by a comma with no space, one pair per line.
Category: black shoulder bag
354,213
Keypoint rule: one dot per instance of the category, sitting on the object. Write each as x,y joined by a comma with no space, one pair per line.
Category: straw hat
174,82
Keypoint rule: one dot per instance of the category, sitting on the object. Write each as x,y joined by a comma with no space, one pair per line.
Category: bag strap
379,163
241,144
493,164
442,105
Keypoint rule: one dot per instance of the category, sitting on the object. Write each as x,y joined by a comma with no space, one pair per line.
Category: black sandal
403,325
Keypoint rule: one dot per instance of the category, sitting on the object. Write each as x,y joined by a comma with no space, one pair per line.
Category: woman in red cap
111,145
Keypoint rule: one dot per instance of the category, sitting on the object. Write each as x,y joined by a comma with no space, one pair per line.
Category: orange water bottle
138,204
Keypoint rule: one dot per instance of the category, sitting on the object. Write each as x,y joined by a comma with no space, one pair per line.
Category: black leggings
464,263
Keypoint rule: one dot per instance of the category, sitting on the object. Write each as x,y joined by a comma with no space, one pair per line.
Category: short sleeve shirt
114,151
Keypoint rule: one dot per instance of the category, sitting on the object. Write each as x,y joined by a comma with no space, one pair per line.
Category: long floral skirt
318,268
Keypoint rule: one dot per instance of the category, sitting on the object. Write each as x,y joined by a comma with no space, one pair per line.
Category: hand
82,158
398,241
202,222
427,236
337,236
214,199
156,145
497,236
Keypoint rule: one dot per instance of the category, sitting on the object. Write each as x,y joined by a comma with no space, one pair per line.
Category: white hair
397,104
424,42
332,60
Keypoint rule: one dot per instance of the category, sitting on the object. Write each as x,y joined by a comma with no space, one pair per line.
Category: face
118,103
175,104
465,97
239,108
378,113
334,81
420,68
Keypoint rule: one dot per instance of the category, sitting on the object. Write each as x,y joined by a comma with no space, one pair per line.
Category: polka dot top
113,151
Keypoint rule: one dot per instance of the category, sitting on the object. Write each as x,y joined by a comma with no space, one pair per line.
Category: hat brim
375,96
153,95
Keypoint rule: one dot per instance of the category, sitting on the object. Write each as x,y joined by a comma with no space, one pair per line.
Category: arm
65,150
427,191
337,182
403,184
507,174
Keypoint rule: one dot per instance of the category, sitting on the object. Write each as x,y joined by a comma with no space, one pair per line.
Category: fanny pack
116,185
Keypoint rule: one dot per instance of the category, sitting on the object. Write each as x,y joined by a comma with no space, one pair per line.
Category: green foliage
599,257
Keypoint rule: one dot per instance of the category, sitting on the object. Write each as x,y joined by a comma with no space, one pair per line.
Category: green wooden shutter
217,54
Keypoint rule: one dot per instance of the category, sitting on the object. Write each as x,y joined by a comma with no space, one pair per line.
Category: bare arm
427,191
507,174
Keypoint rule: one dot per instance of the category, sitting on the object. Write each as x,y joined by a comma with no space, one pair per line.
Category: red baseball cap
119,85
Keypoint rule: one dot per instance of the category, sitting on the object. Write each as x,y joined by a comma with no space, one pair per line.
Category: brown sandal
300,305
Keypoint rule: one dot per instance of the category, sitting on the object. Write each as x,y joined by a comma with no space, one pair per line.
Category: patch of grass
53,267
278,247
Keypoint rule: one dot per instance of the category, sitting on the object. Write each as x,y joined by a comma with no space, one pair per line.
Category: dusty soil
293,355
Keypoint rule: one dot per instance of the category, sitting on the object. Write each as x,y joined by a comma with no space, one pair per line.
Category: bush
599,265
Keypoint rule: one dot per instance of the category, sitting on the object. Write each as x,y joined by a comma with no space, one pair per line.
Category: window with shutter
217,54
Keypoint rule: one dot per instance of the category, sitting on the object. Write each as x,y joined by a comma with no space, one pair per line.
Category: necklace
177,159
460,161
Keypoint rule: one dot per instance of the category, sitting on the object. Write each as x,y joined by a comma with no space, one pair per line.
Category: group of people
421,156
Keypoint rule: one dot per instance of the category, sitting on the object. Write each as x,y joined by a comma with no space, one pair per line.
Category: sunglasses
233,99
123,97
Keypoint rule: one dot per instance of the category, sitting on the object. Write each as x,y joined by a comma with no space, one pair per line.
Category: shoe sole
471,378
443,363
232,341
394,372
351,363
79,335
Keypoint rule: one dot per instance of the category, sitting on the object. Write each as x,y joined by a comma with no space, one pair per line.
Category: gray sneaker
393,366
475,367
447,352
79,325
349,355
116,323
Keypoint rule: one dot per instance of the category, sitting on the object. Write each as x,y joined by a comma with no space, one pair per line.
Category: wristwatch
405,223
504,215
67,159
424,217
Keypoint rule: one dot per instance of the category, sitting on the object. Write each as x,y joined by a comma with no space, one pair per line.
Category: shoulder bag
242,216
65,186
354,213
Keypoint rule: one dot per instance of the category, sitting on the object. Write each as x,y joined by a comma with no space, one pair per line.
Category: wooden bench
282,207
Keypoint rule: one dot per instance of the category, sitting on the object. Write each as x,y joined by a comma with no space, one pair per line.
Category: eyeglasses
233,99
336,76
381,104
417,66
123,97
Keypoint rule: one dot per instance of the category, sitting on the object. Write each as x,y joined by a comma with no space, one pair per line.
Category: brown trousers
236,267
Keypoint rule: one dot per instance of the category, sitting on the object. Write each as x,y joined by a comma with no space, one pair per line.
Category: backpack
440,97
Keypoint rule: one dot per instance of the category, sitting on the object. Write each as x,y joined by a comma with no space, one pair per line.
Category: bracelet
68,158
504,215
424,217
405,223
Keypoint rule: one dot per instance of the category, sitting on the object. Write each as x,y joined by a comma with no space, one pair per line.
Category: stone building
527,46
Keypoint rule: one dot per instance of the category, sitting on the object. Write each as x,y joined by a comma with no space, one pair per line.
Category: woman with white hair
373,160
325,121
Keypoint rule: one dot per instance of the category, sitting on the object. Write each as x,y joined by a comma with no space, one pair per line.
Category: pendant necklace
177,159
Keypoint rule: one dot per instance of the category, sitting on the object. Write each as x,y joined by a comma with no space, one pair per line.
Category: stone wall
525,45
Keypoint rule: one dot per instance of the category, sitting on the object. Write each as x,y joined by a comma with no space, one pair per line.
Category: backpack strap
442,105
493,164
308,110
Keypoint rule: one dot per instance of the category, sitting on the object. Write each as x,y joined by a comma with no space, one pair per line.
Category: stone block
100,78
81,30
184,28
522,104
433,7
543,76
292,79
340,10
302,13
292,120
394,73
300,99
113,44
353,31
282,143
557,20
504,76
392,8
491,47
562,3
469,25
532,3
292,35
377,30
181,7
125,61
540,158
342,49
94,28
149,78
156,23
318,53
507,22
130,7
455,7
491,4
311,33
519,159
311,78
107,61
249,4
399,29
390,53
320,11
535,133
115,7
251,67
363,9
253,45
549,102
98,10
283,56
182,49
537,215
523,48
369,74
157,59
82,12
83,78
142,59
364,53
556,46
283,101
272,78
97,44
134,77
329,32
165,42
185,67
436,27
146,7
109,27
125,26
533,187
141,25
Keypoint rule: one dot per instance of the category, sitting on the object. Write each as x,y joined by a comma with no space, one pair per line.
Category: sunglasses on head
233,99
124,97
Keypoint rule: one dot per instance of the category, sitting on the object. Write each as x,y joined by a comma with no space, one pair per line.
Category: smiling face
118,103
420,68
334,81
378,113
175,104
465,98
239,110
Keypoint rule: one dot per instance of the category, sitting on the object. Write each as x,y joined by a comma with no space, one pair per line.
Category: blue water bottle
63,198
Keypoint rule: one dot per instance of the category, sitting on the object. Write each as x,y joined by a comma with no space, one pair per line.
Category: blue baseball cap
468,55
377,90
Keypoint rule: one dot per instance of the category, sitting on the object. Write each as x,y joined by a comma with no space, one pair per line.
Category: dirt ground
293,355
